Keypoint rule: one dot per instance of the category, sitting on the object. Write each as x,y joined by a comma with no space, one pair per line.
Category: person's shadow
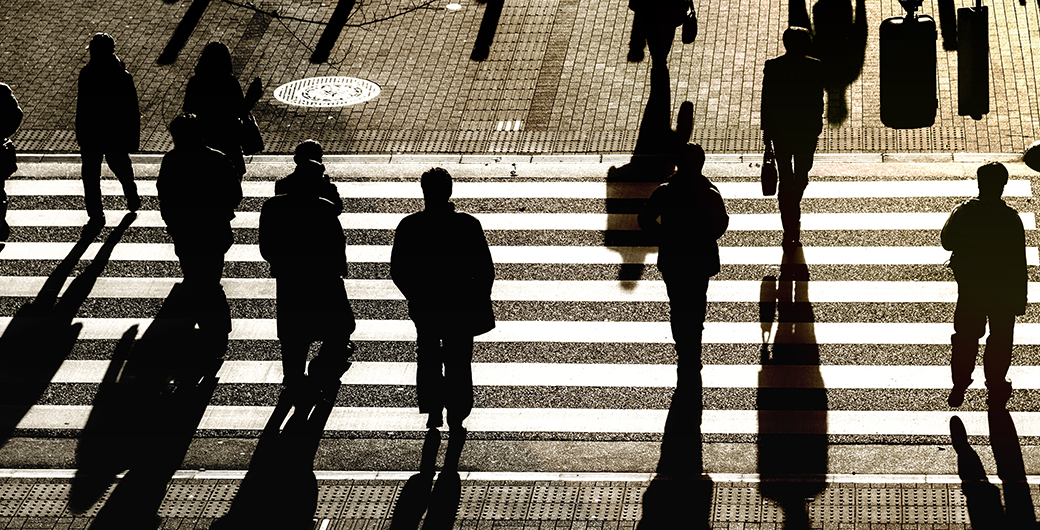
652,162
680,491
984,506
42,334
840,43
144,417
440,505
280,490
792,401
488,27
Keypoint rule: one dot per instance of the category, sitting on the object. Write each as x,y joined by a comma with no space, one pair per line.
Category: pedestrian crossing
557,294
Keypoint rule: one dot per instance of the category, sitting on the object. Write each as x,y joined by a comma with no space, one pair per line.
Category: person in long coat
442,264
10,118
108,124
302,240
214,95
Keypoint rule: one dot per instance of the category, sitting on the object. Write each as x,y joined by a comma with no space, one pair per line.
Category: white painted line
527,254
571,190
604,375
537,221
600,332
840,422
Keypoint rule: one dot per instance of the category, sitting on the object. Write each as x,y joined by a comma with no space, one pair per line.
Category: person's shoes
133,202
999,394
456,439
956,397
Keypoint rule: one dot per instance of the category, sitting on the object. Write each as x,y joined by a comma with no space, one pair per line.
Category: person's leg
294,362
123,169
997,358
458,376
803,152
969,324
638,39
90,172
429,378
789,193
688,302
208,302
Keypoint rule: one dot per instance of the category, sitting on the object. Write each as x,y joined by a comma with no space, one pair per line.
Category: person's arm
649,214
950,235
717,217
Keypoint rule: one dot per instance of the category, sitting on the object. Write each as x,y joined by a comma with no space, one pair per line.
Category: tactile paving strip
12,494
189,509
370,501
189,492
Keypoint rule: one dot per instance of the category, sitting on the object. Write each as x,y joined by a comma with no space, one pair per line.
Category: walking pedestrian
686,216
302,239
214,95
989,263
10,119
199,189
302,181
108,125
442,264
792,120
653,25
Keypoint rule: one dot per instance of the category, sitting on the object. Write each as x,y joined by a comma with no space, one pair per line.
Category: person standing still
10,118
108,125
442,264
988,241
199,190
792,120
686,216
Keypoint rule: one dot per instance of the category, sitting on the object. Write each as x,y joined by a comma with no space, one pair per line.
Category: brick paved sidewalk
557,69
30,499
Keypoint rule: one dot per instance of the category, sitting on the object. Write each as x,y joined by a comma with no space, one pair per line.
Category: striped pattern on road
571,190
601,375
541,221
897,423
528,254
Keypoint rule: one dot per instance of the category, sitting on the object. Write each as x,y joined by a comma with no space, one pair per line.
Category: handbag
689,27
252,141
769,174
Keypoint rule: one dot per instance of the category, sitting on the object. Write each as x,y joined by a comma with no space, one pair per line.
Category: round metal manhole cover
326,91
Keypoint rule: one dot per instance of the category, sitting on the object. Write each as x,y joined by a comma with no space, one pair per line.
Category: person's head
436,185
992,177
215,59
797,40
101,44
186,131
308,150
690,159
311,169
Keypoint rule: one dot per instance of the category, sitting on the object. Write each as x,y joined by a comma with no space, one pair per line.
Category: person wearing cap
199,189
302,240
299,181
987,238
108,124
10,118
792,120
442,264
686,216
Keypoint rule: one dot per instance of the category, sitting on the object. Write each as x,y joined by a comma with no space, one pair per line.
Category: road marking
593,332
602,375
537,221
559,190
527,254
840,422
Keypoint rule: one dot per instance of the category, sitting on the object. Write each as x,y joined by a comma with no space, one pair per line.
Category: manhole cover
326,91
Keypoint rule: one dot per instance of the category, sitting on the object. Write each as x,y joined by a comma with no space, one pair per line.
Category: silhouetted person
214,95
309,150
692,219
199,189
792,111
442,264
10,119
989,262
653,25
108,124
302,238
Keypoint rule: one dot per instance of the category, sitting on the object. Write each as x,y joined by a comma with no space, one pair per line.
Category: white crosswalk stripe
550,331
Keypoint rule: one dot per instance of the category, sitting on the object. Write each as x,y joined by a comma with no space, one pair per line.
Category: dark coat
198,192
792,97
297,183
217,100
693,218
442,264
302,239
989,255
107,116
10,113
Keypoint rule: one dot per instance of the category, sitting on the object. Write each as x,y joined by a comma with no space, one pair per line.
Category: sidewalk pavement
556,81
371,501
